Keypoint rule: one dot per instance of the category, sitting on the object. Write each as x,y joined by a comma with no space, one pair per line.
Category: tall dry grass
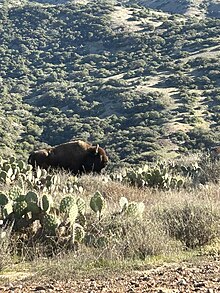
173,221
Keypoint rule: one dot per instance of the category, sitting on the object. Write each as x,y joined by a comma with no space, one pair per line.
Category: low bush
193,223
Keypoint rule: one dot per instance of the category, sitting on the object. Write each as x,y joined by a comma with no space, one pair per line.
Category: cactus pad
31,197
78,233
19,208
73,212
97,202
123,202
81,205
46,202
66,204
3,199
50,223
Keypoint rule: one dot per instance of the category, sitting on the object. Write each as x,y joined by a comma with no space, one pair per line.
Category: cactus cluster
158,176
133,208
66,222
12,170
100,234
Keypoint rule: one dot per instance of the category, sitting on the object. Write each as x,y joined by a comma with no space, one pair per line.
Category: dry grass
173,221
5,255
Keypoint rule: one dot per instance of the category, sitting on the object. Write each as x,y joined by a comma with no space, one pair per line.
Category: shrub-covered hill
198,8
140,82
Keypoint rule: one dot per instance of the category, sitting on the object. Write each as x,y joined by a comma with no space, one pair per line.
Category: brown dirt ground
184,277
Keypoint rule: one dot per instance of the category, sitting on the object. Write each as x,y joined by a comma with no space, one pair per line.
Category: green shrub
192,223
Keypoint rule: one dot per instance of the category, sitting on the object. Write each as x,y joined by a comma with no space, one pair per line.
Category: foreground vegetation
108,220
143,87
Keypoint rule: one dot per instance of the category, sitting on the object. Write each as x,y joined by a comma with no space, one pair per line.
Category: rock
182,282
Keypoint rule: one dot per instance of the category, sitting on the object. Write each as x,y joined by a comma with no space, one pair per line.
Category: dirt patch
122,18
176,126
185,277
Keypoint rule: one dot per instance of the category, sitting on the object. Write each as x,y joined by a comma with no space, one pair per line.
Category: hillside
140,82
195,8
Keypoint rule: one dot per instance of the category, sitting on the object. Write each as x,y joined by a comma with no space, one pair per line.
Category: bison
75,156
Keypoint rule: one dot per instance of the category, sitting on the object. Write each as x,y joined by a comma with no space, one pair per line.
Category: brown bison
76,156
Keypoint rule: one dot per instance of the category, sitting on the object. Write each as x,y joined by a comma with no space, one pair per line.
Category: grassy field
174,226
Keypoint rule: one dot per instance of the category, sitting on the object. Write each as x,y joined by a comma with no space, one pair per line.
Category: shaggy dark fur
76,156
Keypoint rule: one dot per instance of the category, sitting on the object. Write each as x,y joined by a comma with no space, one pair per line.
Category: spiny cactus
7,210
46,202
66,204
4,177
50,224
72,214
159,176
135,209
78,233
12,160
3,199
15,192
31,199
123,202
89,239
19,208
81,205
11,170
97,203
81,219
102,242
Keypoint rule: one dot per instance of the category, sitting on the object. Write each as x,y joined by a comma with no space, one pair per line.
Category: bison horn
97,149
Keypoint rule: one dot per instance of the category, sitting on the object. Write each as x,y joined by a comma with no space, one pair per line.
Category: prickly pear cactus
89,240
12,160
46,202
3,199
135,209
131,209
102,242
19,208
7,210
16,193
81,219
50,224
159,176
81,205
123,202
31,199
78,233
66,204
72,214
97,203
21,165
4,177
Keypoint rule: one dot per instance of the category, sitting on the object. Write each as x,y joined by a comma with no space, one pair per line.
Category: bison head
96,160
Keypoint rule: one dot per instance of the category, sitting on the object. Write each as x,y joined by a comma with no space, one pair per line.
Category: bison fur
75,156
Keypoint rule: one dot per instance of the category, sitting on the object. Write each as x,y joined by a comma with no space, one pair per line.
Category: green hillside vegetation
141,83
195,8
